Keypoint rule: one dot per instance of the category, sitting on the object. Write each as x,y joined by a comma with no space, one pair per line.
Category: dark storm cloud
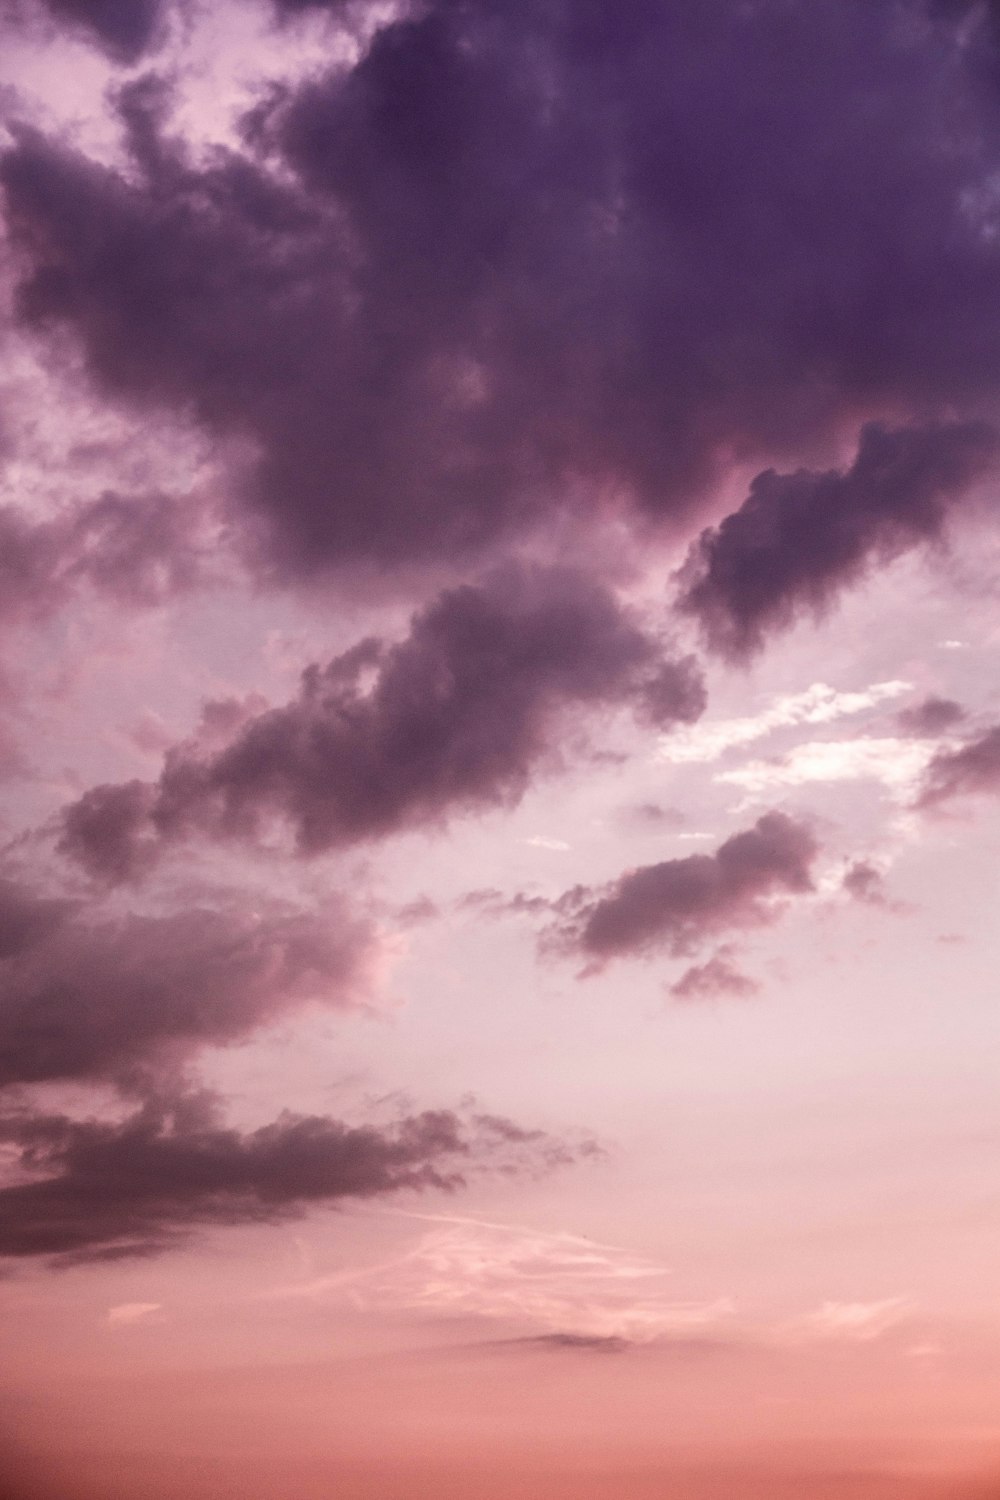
84,998
972,769
930,718
679,903
456,716
525,257
799,538
102,1189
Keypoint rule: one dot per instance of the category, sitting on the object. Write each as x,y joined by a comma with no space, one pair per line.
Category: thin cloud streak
896,764
562,1283
94,1190
818,704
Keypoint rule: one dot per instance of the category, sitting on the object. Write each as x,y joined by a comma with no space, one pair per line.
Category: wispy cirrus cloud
818,704
564,1290
851,1322
552,1282
127,1314
896,764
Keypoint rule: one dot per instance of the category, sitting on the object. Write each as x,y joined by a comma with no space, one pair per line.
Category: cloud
653,815
137,1186
107,831
579,1292
679,903
855,1322
818,704
589,1343
127,1313
85,998
971,770
930,718
135,550
457,716
799,538
714,979
898,764
131,1003
27,917
864,881
440,302
124,29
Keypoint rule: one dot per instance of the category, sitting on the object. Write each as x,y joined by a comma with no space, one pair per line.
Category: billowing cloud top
440,300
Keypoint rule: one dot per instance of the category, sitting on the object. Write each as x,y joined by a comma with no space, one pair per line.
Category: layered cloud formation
136,550
133,1003
99,1190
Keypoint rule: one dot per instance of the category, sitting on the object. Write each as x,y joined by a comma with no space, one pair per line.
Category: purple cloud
799,538
108,831
85,998
932,717
27,918
442,302
676,905
973,769
101,1189
865,883
458,716
132,1003
716,978
125,29
137,550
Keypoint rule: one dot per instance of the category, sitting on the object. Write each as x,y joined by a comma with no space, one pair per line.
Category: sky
499,749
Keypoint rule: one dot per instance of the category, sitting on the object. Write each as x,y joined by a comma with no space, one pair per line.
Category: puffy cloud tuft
679,903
